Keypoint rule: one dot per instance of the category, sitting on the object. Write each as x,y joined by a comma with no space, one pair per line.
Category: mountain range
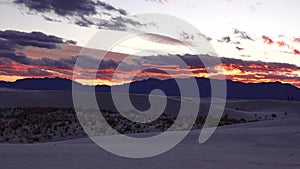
235,90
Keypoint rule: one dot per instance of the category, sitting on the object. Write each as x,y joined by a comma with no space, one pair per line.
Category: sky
257,41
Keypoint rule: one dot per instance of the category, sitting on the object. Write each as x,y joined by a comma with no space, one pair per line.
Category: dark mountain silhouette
39,84
235,90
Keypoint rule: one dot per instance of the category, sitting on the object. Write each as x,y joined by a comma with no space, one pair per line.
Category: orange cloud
13,67
269,41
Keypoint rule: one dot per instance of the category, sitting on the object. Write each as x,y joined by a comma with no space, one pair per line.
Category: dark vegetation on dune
29,125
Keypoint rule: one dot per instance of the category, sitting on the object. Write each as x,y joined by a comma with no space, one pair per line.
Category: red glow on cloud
282,44
239,48
254,73
297,40
296,52
18,54
267,40
237,70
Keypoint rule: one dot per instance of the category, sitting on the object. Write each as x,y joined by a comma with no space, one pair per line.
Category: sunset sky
257,41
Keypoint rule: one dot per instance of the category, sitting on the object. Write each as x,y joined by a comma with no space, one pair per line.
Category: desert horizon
89,84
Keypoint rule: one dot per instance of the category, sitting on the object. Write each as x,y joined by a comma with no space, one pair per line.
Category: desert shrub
243,120
111,122
35,139
138,126
226,116
49,137
36,131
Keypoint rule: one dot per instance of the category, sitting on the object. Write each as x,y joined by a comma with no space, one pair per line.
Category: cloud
186,39
235,38
71,42
33,36
270,41
12,65
242,34
11,40
154,67
67,8
62,63
239,48
282,44
204,36
24,60
157,38
85,13
267,40
159,1
297,40
115,23
6,45
234,69
186,35
296,52
109,7
226,39
292,49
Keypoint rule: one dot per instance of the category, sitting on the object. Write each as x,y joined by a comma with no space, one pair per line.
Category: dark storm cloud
67,7
24,60
6,45
63,63
137,63
259,65
36,44
175,61
33,36
88,62
81,12
18,64
110,7
12,63
195,62
11,40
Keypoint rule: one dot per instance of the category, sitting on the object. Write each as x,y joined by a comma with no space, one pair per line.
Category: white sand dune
267,144
35,98
247,109
264,145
